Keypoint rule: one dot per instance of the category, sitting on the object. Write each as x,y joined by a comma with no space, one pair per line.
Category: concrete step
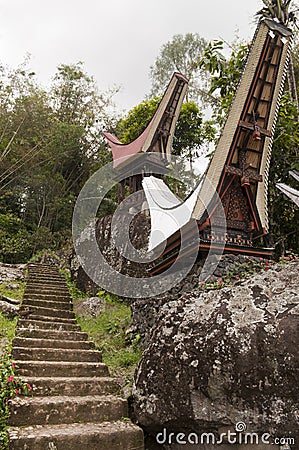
52,313
29,342
50,272
60,284
43,272
120,435
73,397
42,386
45,277
29,302
42,268
60,369
51,334
47,324
55,354
47,288
41,288
46,281
26,411
48,297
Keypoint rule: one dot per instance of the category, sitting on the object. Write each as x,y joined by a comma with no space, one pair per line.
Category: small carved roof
158,135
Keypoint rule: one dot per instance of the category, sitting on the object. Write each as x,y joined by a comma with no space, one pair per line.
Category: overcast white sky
117,40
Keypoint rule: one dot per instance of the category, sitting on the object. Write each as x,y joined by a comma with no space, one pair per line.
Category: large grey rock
12,272
145,312
139,231
8,309
13,286
220,357
90,307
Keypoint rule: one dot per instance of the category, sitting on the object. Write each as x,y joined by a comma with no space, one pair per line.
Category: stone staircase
75,404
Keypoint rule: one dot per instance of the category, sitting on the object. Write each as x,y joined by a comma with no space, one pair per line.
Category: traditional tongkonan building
236,180
156,138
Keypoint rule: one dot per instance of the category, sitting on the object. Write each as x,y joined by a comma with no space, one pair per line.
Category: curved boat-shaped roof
250,124
158,134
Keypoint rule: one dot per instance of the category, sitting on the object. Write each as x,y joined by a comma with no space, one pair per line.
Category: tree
136,120
280,10
283,214
15,239
50,142
24,121
225,75
180,54
191,131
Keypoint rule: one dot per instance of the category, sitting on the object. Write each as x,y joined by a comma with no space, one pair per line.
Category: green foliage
15,248
17,294
50,143
10,203
137,119
225,73
7,326
15,239
10,387
191,131
286,140
74,291
110,332
180,54
19,242
280,10
283,213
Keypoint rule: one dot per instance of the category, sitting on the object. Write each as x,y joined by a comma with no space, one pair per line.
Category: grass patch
8,326
74,291
17,294
110,332
7,330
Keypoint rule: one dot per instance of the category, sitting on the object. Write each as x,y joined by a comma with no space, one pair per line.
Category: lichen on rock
218,357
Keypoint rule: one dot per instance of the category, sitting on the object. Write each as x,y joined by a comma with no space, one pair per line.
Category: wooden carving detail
244,170
236,208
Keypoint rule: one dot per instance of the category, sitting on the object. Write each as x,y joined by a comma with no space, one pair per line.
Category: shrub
10,387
